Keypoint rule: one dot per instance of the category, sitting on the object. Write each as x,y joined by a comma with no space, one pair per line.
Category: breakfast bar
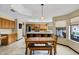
39,34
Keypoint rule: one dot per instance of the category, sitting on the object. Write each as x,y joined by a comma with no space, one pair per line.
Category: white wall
75,19
69,42
50,25
4,15
74,44
61,23
19,31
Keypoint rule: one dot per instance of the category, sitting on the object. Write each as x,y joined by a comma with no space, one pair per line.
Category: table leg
30,52
26,51
55,48
55,51
50,51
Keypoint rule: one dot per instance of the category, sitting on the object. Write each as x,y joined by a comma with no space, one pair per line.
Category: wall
74,44
72,18
61,23
19,31
50,26
69,42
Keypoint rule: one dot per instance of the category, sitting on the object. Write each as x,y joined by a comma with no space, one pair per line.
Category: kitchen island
39,34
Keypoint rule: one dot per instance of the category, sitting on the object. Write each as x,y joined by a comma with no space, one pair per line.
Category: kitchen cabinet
7,24
4,41
38,27
43,26
3,23
10,39
0,23
33,26
12,24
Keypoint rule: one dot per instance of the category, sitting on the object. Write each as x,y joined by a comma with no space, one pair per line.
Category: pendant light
42,12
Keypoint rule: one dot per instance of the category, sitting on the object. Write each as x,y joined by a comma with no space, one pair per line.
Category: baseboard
68,47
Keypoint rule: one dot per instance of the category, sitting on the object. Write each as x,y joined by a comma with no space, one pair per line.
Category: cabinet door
7,24
9,38
32,26
14,38
12,24
0,23
43,27
3,23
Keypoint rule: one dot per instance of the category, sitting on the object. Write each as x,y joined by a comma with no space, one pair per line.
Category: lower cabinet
10,39
4,41
39,35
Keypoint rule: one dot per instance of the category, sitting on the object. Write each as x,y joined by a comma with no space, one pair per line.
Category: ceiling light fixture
42,12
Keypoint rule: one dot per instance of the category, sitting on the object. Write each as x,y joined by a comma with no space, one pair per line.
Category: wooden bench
46,47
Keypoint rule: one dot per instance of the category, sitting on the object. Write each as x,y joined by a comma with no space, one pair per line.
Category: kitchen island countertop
40,32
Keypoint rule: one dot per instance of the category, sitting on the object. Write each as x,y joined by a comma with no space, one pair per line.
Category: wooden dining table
40,40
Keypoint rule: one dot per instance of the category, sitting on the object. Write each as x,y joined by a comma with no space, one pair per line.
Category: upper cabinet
0,23
12,24
40,27
43,26
7,24
3,23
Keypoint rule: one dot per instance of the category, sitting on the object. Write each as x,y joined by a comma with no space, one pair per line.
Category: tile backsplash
5,31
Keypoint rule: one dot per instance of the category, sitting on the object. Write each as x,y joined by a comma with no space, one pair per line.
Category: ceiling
51,10
33,11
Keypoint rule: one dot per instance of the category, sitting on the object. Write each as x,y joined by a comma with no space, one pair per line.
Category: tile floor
18,48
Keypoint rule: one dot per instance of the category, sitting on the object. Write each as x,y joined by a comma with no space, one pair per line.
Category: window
74,32
61,32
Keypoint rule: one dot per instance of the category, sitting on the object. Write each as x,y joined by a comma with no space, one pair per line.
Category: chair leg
51,52
26,52
30,52
48,51
55,51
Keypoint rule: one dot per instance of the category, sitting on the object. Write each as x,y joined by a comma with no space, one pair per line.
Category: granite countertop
40,32
8,33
